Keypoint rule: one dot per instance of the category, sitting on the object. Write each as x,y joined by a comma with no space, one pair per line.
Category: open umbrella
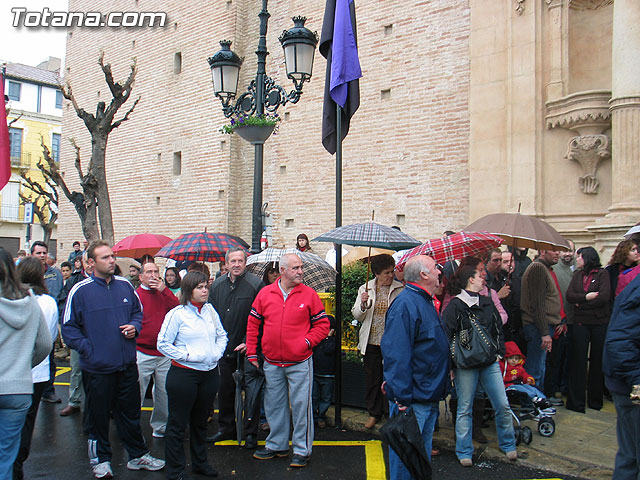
238,377
453,247
518,230
402,433
135,246
369,234
318,274
125,263
362,253
199,247
632,230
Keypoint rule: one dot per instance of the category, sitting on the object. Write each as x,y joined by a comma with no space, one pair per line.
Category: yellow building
34,115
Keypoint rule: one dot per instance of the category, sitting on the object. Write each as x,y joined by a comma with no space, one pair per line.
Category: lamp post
263,94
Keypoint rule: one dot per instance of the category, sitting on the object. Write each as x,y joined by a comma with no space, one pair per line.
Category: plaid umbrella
200,247
318,274
369,234
518,230
453,247
135,246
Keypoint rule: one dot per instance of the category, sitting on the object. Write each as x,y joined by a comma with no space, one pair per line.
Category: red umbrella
200,247
453,247
135,246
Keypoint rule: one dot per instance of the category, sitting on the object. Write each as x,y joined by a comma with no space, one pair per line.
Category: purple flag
338,44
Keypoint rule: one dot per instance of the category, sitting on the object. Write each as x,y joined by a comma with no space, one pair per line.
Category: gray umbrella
238,377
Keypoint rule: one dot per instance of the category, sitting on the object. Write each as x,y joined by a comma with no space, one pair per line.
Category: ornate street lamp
263,94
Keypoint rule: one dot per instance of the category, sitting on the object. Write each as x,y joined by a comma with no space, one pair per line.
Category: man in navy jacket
415,350
102,318
621,365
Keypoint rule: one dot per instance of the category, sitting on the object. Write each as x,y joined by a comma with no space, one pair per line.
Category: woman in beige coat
370,309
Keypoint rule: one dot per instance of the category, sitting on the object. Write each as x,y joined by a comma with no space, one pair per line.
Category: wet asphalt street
59,451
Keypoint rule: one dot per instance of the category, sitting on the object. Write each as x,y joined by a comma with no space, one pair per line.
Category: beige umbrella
518,230
360,253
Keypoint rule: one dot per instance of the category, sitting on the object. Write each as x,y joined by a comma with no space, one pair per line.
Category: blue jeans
491,380
426,414
529,390
627,465
13,411
536,357
322,393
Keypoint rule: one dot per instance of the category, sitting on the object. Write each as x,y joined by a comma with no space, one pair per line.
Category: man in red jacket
292,319
156,301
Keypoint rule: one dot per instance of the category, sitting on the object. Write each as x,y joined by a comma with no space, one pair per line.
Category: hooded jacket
24,342
514,374
93,315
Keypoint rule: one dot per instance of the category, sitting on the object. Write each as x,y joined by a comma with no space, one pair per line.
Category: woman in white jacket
370,309
193,337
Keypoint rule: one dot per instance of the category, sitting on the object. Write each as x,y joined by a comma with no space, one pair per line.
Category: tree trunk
98,171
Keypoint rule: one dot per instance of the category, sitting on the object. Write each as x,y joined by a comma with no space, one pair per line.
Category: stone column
625,113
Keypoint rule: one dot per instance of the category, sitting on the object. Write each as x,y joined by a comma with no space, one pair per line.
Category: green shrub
353,276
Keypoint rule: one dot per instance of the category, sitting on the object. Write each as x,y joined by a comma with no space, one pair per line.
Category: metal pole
338,383
256,225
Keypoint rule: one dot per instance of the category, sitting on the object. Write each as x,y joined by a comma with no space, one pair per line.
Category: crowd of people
558,326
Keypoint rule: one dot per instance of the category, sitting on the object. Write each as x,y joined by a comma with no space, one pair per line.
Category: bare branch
77,163
117,123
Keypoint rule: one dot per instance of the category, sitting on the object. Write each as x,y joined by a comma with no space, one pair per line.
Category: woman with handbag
474,328
589,292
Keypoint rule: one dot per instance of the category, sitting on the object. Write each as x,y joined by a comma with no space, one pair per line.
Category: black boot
478,413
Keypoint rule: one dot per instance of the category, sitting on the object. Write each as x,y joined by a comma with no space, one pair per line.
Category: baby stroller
522,408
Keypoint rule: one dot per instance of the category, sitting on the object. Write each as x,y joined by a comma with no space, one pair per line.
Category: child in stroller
516,379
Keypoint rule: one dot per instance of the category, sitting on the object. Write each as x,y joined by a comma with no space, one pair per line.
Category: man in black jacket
232,295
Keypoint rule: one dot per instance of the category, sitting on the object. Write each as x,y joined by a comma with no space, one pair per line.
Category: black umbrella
253,384
402,433
238,377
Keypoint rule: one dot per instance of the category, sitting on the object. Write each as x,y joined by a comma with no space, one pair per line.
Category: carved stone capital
587,112
588,150
520,6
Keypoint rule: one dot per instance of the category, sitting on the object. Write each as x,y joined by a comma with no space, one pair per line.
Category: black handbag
472,346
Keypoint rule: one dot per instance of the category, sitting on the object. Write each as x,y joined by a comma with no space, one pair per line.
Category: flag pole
338,382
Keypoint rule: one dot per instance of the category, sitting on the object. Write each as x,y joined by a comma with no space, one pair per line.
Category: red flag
5,160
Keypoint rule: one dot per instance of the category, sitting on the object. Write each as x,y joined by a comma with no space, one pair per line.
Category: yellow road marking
64,384
62,370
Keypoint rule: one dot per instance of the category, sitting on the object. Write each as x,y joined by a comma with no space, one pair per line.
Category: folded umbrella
453,247
238,378
402,433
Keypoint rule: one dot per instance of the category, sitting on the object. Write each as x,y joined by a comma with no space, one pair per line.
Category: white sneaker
103,470
157,434
146,462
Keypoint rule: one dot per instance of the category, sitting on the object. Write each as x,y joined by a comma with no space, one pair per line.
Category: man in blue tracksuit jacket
621,366
415,350
101,320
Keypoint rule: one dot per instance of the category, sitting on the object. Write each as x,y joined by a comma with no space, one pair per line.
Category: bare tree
44,199
93,205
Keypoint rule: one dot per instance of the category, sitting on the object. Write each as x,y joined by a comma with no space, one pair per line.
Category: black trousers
190,393
373,380
49,389
581,337
27,430
227,395
556,366
117,393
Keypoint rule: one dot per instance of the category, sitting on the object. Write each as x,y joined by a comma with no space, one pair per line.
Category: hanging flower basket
255,134
254,129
